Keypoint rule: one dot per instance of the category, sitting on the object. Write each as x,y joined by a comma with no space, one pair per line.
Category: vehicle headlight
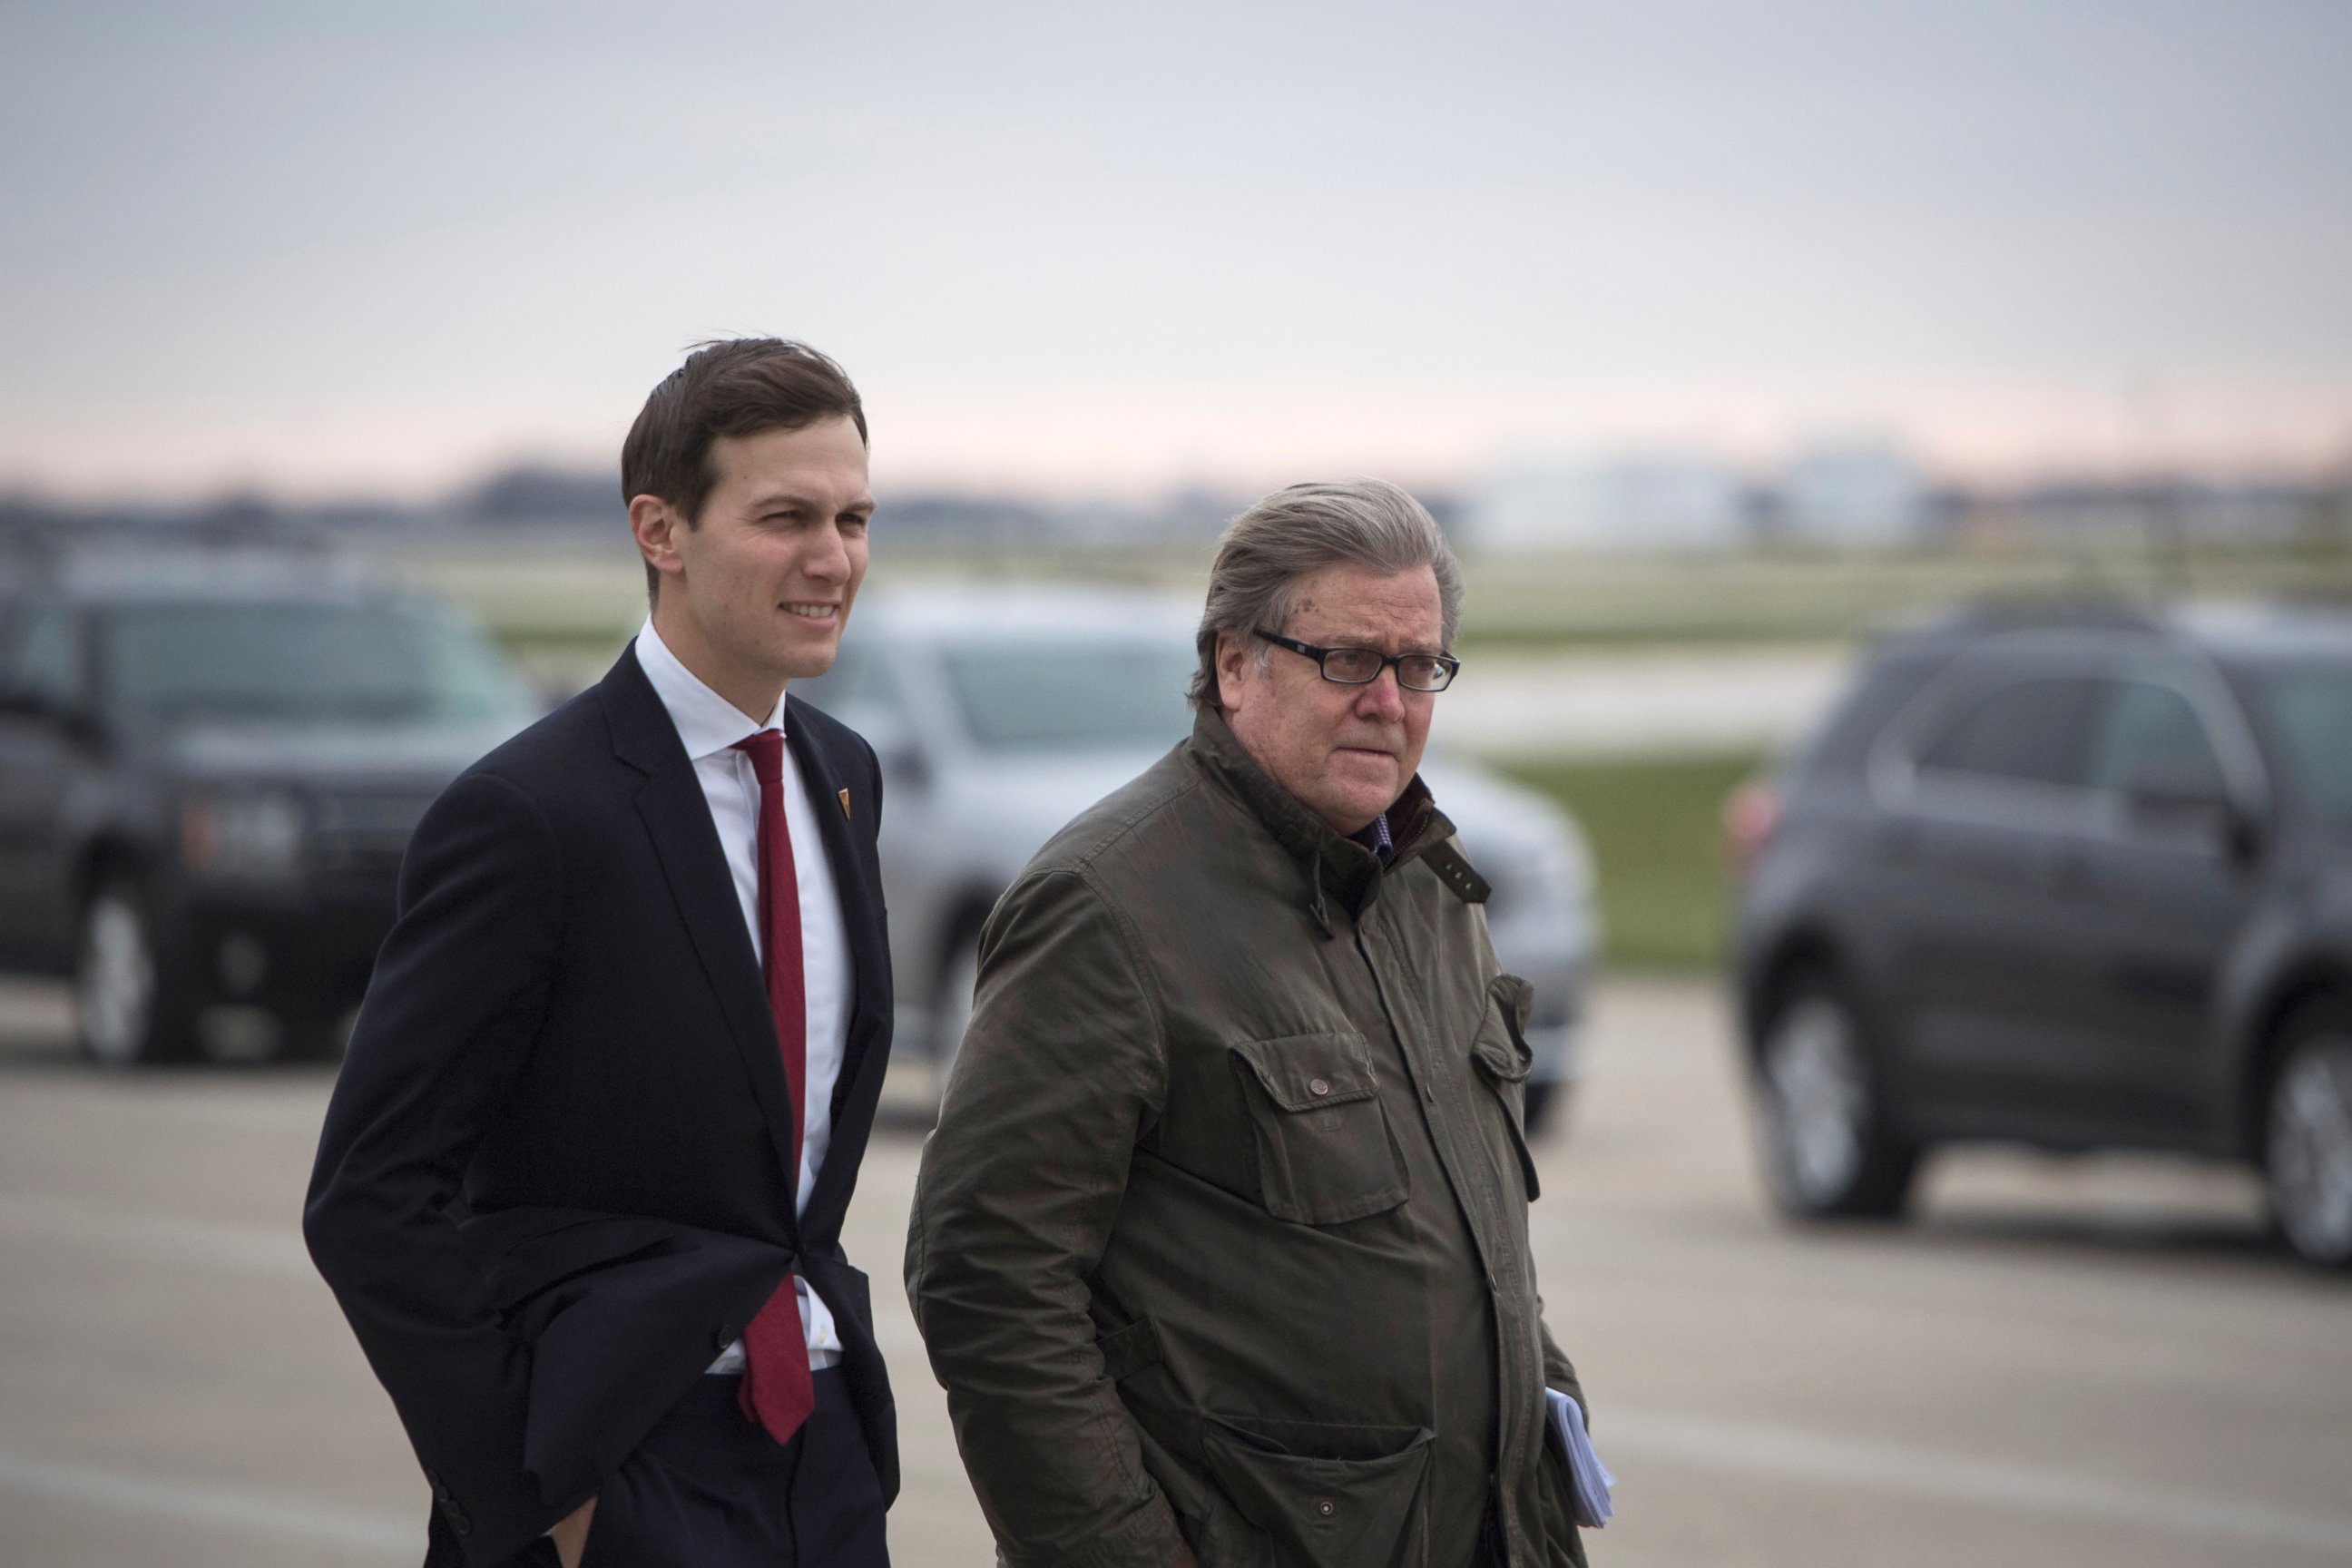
242,835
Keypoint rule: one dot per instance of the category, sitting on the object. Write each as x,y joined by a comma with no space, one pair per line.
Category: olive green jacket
1222,1238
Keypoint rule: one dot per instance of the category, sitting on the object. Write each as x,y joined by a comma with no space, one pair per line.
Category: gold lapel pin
845,803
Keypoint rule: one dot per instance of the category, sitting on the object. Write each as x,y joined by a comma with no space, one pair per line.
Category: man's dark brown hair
737,386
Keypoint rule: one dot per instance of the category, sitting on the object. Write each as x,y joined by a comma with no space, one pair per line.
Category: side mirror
76,724
18,703
91,729
2179,800
904,765
22,702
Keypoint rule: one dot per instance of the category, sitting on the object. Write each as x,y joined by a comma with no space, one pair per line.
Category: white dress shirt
710,726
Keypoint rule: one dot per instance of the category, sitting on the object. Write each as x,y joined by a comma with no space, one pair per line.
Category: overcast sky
321,246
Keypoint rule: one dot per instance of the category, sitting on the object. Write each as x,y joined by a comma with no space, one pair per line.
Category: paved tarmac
2091,1362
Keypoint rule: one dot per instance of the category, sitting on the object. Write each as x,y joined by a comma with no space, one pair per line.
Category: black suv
210,763
2078,880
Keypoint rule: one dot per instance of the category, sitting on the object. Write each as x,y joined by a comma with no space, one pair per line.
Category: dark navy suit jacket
556,1175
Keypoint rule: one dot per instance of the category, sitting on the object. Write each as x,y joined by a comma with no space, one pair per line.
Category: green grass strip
1655,828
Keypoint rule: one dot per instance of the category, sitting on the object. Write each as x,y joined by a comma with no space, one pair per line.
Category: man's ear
656,525
1233,655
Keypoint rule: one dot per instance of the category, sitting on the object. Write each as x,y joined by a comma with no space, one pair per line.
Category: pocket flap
1517,998
1504,1054
1321,1509
1128,1351
1308,1072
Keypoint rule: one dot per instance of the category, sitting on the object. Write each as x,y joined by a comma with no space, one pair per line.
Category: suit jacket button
721,1338
440,1488
457,1517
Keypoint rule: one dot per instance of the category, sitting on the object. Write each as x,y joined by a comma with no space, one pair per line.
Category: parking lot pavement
2086,1362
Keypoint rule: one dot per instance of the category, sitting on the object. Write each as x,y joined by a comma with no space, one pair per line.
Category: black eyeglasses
1363,666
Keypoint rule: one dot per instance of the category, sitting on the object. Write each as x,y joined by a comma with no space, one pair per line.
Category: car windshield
305,662
2308,711
1072,694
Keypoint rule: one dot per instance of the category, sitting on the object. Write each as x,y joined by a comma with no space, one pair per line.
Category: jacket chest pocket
1503,1058
1324,1151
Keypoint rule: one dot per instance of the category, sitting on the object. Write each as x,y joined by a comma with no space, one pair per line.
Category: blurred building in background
1669,502
1863,494
2259,512
1853,495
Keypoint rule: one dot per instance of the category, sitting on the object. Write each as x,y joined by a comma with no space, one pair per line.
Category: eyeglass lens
1357,665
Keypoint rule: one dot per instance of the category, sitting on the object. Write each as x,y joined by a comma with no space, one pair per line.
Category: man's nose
1381,697
828,559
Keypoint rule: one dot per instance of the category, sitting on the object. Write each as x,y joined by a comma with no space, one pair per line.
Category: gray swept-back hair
1295,533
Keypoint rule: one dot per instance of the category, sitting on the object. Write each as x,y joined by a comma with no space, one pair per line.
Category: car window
2143,732
1859,715
1069,694
40,653
305,662
2032,730
2308,713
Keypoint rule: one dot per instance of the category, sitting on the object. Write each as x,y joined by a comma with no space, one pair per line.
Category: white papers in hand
1591,1478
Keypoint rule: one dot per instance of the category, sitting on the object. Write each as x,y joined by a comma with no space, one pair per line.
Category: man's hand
570,1534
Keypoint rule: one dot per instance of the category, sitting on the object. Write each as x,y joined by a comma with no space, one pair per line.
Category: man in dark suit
581,1188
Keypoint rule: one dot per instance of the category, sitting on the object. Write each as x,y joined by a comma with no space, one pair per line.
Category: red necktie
777,1392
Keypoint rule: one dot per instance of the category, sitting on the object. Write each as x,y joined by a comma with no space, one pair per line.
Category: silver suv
1000,713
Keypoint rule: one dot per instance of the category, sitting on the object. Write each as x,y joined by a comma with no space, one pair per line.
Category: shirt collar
706,722
1374,835
1415,823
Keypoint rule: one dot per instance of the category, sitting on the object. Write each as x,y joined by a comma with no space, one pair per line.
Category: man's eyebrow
784,500
1435,650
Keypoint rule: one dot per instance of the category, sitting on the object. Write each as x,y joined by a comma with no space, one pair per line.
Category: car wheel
130,1009
1820,1121
2307,1162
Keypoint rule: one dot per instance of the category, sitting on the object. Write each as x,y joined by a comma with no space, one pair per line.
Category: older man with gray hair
1220,1246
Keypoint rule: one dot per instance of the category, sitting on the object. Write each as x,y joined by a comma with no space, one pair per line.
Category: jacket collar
1334,865
643,735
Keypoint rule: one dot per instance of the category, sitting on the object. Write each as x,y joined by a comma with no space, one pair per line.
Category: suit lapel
677,815
855,878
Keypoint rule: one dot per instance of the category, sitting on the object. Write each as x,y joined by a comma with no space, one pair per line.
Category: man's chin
811,660
1368,780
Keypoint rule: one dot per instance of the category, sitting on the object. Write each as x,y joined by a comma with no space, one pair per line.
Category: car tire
132,1008
1828,1148
2307,1136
